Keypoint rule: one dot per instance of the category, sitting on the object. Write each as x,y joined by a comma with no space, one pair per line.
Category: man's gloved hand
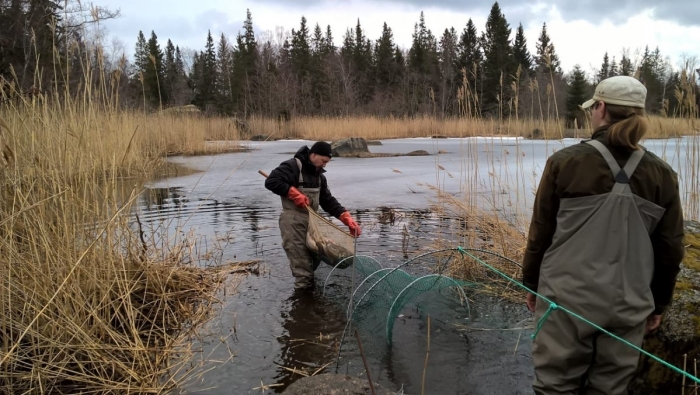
350,223
300,200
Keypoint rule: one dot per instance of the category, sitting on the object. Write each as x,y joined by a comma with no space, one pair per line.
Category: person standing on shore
606,242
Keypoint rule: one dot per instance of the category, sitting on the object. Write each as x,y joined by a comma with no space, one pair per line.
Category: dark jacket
286,175
580,170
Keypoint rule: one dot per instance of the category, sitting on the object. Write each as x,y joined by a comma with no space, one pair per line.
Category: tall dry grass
88,303
376,128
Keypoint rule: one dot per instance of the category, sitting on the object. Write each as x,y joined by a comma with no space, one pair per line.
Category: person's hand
350,223
300,200
531,301
653,322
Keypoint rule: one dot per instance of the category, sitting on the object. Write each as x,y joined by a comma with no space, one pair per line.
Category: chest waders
294,222
600,266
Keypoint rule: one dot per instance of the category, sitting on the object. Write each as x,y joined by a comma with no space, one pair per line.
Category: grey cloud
184,32
684,12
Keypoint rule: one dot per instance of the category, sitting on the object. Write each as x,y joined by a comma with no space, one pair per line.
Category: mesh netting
330,243
422,286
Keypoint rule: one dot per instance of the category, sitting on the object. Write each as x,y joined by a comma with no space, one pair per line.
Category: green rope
540,323
553,306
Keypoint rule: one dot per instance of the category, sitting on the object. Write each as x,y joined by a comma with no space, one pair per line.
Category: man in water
300,183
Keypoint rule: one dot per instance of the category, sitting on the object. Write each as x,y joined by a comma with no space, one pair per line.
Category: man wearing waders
300,183
605,242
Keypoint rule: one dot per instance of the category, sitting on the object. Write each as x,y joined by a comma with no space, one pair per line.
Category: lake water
270,330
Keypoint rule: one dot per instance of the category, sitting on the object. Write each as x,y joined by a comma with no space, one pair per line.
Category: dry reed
373,128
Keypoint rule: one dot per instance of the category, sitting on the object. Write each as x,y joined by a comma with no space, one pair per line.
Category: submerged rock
679,333
334,384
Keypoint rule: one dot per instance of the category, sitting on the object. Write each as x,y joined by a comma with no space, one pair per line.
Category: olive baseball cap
621,90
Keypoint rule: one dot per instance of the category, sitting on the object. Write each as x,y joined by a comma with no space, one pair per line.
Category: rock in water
333,384
352,146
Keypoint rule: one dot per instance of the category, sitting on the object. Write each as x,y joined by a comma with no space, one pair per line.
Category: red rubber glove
299,199
350,223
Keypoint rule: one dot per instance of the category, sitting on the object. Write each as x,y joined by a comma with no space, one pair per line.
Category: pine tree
499,64
520,52
224,65
317,41
577,93
384,50
449,74
362,65
469,60
206,77
329,47
141,53
626,65
613,68
604,69
652,73
348,48
301,50
547,61
154,76
244,68
170,68
422,57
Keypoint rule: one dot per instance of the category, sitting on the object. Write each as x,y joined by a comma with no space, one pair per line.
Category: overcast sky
581,30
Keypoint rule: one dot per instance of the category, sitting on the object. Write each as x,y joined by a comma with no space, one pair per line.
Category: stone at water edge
419,152
352,146
334,384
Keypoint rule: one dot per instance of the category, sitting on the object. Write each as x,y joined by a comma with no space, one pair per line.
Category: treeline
303,72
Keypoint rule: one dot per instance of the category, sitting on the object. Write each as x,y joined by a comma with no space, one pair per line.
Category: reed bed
373,128
89,303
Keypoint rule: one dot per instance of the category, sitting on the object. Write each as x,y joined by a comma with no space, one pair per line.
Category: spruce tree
154,77
521,53
578,91
329,47
604,71
546,60
448,73
626,65
301,50
469,59
613,68
224,65
499,64
206,77
384,58
141,53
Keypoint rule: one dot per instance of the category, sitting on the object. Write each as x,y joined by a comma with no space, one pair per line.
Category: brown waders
600,266
294,222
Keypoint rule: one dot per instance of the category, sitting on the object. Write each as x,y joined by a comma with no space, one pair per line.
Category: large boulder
334,384
354,146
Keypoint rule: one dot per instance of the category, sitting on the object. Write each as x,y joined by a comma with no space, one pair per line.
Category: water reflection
279,330
310,341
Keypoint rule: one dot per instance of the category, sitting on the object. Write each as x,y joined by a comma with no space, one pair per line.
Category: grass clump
88,303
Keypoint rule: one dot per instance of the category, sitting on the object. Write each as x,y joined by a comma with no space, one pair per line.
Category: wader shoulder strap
621,176
301,178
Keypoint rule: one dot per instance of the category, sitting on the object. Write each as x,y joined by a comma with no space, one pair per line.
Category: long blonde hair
628,125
